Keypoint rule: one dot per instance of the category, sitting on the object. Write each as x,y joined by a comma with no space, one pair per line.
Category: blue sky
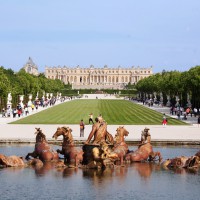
159,33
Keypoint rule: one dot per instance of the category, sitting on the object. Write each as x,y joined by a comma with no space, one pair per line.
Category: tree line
22,83
173,83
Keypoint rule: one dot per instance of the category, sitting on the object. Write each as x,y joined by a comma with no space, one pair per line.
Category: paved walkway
189,133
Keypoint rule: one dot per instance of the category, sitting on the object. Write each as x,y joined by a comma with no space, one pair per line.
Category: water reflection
133,181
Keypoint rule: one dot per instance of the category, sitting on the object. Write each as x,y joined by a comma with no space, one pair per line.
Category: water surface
134,181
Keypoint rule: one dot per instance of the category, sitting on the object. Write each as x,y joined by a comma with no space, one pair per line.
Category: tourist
91,118
14,112
164,122
195,111
198,120
187,111
3,112
19,111
32,106
26,110
9,111
82,127
184,116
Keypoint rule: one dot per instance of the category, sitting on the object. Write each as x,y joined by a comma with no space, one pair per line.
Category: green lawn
116,112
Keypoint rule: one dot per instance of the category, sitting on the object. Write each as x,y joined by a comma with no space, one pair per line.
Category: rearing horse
73,155
144,151
120,146
42,148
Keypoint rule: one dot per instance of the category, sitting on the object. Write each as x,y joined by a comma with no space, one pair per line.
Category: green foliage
24,83
174,83
113,111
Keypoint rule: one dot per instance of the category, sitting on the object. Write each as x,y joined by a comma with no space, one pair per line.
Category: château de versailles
92,77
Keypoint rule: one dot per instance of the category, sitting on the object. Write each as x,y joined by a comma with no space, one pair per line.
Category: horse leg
33,154
153,155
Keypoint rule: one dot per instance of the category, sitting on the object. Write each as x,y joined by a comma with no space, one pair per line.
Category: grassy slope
118,112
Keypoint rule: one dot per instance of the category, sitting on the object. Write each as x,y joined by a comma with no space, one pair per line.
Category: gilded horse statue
73,155
120,146
42,148
108,155
145,150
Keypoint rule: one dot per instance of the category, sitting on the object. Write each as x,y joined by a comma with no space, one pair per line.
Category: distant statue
9,99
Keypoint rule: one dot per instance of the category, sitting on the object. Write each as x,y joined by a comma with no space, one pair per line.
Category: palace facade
98,78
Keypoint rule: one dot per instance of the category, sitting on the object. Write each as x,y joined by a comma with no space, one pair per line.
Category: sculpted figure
181,162
73,155
42,149
99,129
145,150
99,133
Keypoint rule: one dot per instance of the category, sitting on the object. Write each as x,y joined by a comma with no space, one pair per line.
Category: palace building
98,78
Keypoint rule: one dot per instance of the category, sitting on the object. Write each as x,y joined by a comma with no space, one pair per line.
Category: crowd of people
25,109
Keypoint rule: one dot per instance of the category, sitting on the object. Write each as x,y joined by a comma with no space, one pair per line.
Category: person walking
164,122
82,127
91,118
198,120
3,112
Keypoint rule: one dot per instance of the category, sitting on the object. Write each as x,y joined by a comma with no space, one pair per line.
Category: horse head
40,136
65,132
57,133
121,133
